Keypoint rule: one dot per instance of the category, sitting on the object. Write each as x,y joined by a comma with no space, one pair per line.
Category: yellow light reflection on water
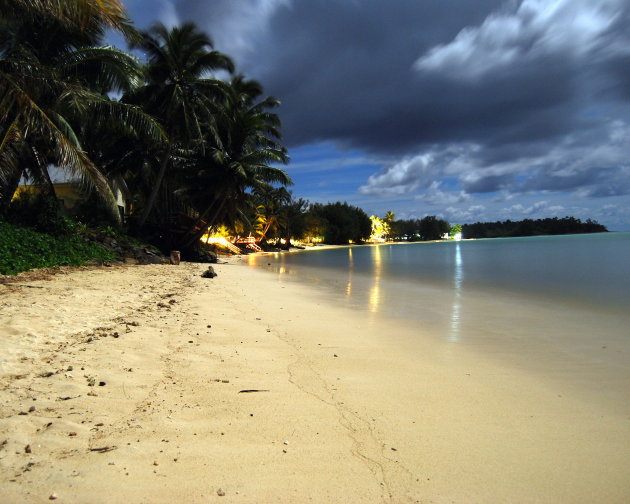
350,269
375,290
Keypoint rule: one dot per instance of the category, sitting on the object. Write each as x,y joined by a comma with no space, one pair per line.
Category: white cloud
531,30
471,214
435,196
242,23
519,210
403,177
167,13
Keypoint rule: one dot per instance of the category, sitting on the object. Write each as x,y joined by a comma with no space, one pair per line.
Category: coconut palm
52,81
179,91
241,160
91,17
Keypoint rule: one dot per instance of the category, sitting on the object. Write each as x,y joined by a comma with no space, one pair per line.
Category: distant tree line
530,227
427,228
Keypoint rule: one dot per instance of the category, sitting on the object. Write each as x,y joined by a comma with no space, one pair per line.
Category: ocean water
558,306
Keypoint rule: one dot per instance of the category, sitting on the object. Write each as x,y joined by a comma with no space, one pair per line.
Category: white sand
355,409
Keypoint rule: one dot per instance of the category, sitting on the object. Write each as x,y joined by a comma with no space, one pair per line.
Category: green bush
22,249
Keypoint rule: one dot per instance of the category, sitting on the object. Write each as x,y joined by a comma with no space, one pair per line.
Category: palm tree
178,91
88,16
242,159
53,80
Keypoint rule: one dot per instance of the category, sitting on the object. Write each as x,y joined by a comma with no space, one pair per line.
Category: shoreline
363,418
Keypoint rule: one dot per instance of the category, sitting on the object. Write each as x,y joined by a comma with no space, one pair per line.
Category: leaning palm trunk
204,229
156,186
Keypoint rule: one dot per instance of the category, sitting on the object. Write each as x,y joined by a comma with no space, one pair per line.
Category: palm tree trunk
197,236
156,187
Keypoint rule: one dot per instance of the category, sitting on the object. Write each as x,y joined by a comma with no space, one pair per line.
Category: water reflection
350,270
458,277
375,290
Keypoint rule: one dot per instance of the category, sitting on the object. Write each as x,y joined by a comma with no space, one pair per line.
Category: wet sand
152,384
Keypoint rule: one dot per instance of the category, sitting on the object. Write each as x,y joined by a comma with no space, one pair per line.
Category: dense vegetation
529,227
185,149
427,228
22,249
340,223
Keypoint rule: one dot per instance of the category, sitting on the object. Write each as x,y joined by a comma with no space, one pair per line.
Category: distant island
531,227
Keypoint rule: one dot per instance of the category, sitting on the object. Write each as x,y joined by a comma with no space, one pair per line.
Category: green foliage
529,227
343,222
427,228
22,249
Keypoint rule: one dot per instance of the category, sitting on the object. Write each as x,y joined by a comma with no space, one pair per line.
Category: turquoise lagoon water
558,305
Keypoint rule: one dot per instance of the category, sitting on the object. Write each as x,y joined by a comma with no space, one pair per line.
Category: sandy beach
151,384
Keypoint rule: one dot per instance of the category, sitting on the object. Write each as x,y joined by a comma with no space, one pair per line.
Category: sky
471,111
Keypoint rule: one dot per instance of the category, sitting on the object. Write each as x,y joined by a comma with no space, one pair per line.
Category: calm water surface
559,305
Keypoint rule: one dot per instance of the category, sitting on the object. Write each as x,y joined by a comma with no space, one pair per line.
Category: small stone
209,273
220,492
155,462
72,434
53,496
285,443
31,409
28,449
101,384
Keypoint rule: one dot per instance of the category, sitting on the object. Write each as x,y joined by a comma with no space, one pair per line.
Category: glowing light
456,308
222,242
375,291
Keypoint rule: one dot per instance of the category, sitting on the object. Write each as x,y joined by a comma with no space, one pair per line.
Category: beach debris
220,492
103,449
175,257
47,374
72,434
53,496
285,442
209,273
249,391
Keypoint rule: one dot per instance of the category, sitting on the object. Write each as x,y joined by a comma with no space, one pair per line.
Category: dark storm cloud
395,76
343,70
509,96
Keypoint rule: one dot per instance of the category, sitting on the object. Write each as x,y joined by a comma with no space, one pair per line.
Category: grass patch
22,249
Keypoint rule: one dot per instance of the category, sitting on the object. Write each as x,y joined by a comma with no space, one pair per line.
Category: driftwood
249,391
104,449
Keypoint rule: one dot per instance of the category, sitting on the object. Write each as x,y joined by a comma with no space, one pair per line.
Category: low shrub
22,249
